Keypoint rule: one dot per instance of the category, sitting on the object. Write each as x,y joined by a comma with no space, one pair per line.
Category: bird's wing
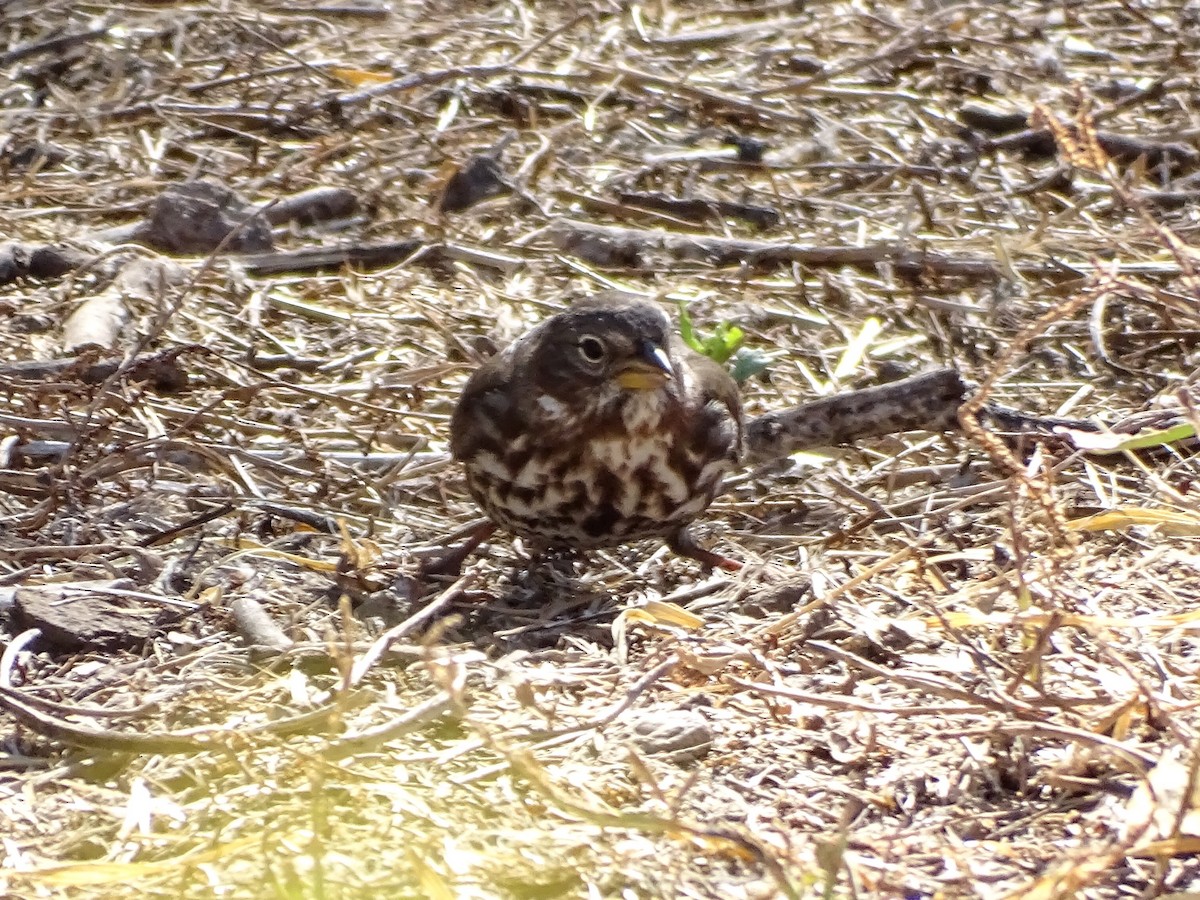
717,401
487,412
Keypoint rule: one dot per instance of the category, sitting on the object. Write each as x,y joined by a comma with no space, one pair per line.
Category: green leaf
1106,442
686,331
750,362
724,344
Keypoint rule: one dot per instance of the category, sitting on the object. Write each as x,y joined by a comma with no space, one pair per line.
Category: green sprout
723,345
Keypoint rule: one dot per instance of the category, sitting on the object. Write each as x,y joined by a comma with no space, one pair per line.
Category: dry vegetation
935,677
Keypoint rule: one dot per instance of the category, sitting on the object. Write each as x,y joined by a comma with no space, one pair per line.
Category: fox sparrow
597,427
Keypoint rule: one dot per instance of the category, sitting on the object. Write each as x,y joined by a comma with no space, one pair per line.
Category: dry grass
927,682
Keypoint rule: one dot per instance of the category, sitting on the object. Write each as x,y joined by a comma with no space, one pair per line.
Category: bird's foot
683,544
449,561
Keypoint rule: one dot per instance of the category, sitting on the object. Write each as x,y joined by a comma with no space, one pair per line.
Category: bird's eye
591,348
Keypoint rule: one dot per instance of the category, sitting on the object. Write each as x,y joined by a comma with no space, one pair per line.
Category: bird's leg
450,561
682,543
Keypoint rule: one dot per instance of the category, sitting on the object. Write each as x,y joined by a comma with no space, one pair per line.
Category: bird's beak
650,369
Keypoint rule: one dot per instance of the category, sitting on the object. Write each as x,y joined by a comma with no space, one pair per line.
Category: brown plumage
597,427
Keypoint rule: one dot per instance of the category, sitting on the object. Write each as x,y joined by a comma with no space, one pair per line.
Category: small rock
682,736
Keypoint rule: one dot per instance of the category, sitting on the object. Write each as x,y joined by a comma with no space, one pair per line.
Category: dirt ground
948,669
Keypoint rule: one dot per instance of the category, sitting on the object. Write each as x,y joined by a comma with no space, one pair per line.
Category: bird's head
605,347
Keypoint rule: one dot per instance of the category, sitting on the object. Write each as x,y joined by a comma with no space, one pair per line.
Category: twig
605,245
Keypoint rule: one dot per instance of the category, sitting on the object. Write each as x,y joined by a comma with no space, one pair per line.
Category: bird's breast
633,472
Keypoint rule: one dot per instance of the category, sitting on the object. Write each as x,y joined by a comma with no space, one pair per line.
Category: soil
252,252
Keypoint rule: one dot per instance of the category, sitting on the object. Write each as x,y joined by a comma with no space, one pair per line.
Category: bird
598,427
